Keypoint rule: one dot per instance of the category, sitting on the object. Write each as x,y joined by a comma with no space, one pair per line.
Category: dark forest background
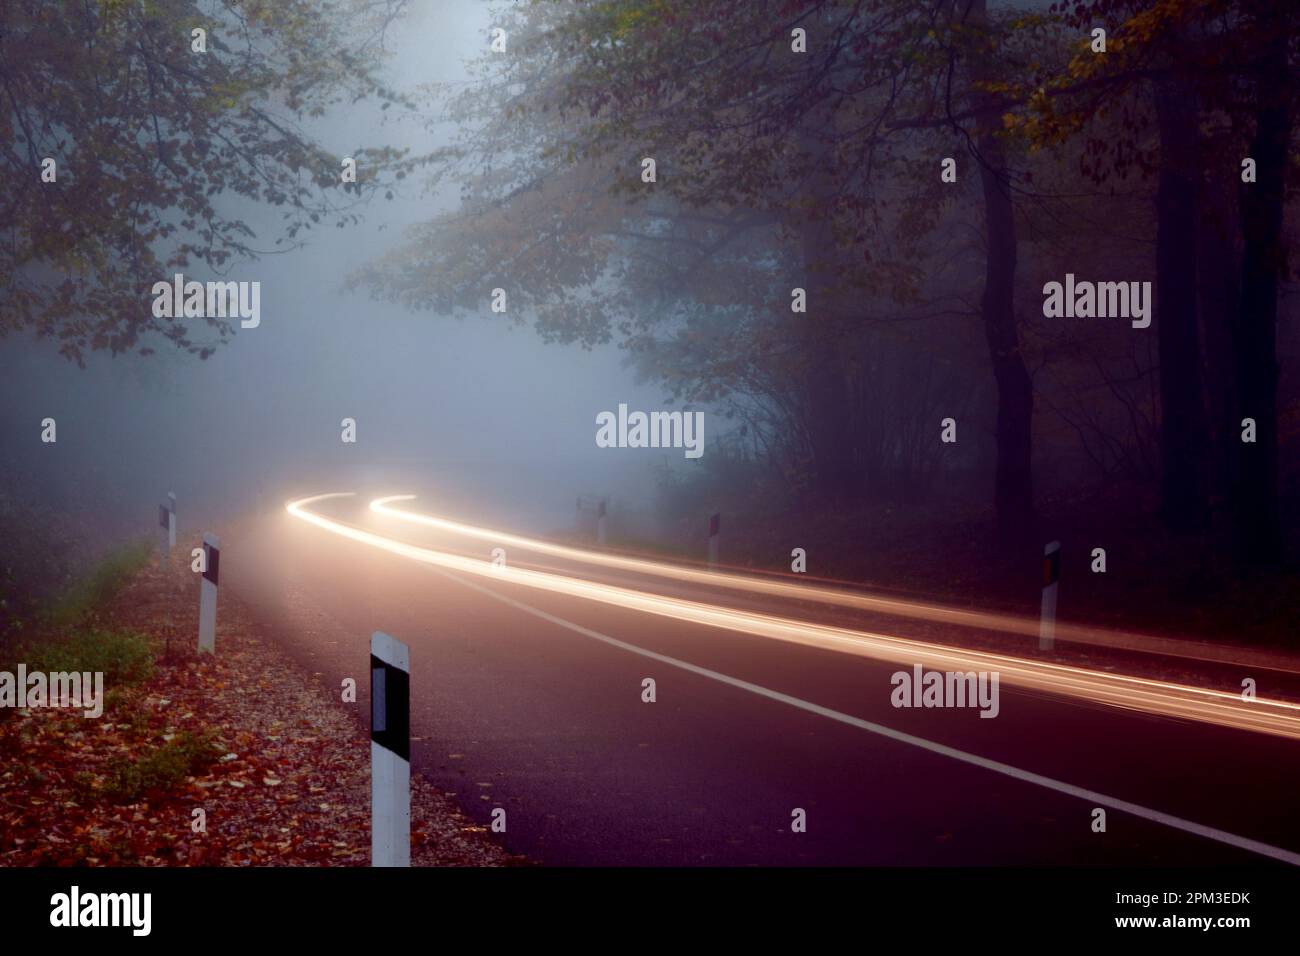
797,145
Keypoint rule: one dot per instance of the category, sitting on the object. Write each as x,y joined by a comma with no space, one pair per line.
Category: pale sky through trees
481,397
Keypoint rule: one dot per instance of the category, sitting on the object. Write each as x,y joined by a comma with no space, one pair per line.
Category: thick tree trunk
1259,540
1013,493
1183,431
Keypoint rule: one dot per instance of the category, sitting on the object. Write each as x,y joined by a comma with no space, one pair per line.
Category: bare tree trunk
1013,494
1259,540
1013,485
1183,431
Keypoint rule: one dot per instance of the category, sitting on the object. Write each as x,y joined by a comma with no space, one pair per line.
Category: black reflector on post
213,563
390,751
390,707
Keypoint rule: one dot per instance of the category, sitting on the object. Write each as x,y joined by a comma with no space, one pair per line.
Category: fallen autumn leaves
281,773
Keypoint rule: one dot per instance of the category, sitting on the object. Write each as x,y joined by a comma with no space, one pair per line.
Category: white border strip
1025,776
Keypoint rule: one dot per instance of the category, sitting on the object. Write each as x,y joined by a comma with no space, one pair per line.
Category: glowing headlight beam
935,613
1134,693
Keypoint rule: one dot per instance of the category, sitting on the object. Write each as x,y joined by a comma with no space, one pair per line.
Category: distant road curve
775,587
1164,698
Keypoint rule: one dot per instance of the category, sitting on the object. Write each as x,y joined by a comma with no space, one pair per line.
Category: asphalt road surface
532,701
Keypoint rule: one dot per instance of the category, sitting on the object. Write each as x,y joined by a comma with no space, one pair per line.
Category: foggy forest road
532,701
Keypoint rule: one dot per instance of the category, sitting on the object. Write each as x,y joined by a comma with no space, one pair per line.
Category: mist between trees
830,223
838,222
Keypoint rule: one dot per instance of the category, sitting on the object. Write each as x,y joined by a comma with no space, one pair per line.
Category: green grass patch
125,657
101,585
160,770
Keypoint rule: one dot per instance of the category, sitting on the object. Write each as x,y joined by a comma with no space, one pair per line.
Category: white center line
1026,776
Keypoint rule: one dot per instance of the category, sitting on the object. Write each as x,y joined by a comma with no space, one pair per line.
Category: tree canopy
157,133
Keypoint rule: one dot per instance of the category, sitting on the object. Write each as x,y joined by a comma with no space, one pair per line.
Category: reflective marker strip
390,701
210,572
1052,564
378,700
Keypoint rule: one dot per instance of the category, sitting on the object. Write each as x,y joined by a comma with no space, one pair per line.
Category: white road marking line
1118,690
1025,776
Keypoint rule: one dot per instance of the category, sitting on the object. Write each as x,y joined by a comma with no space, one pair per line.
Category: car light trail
935,613
1133,693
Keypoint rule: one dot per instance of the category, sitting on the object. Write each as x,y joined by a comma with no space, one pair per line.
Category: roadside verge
237,759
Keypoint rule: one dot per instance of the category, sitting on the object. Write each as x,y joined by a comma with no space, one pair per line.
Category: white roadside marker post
208,594
171,521
1051,575
715,529
601,522
390,751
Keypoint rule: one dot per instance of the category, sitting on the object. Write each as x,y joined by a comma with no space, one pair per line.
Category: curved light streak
1116,690
935,613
